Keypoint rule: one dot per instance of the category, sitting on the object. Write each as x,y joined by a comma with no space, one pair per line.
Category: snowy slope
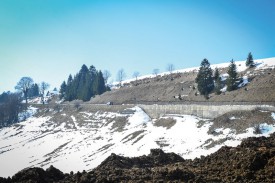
260,64
82,142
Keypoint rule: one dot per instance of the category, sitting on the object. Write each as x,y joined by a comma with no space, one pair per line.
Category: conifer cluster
84,85
206,82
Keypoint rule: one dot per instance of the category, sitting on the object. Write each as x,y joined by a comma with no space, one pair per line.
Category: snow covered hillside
81,140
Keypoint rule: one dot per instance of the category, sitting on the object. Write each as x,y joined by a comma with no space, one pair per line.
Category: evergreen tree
101,88
204,78
249,61
93,75
232,76
95,84
70,80
69,89
62,90
216,74
218,82
81,84
89,86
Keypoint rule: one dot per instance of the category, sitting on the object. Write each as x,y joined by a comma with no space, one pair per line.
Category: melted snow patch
138,118
73,118
244,82
267,129
273,115
233,118
265,63
224,77
224,89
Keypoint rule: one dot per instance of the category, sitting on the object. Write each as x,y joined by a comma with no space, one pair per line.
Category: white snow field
41,141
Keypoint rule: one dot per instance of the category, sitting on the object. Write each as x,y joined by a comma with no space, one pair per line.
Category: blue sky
48,40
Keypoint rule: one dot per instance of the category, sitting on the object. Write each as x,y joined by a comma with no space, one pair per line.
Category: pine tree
101,83
216,74
232,76
87,90
81,83
249,61
69,89
204,78
218,82
93,75
70,79
62,90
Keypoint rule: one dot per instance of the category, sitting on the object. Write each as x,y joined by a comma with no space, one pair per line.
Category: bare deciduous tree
120,76
24,86
170,68
136,75
43,87
106,75
155,72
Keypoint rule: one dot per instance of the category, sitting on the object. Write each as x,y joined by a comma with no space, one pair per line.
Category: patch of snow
138,118
233,118
244,82
273,115
224,89
60,101
224,77
265,128
265,63
73,118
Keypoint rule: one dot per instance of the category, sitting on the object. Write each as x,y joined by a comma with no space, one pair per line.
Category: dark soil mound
37,175
252,161
156,158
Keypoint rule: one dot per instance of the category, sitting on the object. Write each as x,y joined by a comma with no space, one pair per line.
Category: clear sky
50,39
